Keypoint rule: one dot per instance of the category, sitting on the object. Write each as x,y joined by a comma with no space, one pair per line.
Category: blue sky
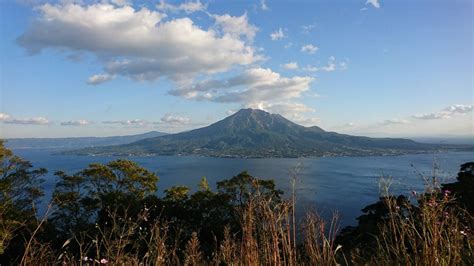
99,68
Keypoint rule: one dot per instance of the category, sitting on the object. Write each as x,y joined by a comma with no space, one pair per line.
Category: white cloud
187,7
395,121
343,65
448,112
121,2
133,123
139,44
277,35
309,48
255,88
252,87
4,117
174,119
288,45
263,5
290,65
374,3
81,122
296,112
28,121
235,27
99,78
330,66
306,29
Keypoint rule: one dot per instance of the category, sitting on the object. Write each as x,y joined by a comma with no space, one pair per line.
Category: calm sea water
345,184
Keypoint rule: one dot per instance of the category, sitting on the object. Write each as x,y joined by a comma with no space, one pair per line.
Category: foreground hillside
256,133
111,214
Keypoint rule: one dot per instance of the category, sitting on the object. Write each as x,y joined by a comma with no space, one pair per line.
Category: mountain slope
256,133
77,142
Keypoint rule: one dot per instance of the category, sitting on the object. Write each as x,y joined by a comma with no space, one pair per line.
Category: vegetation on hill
256,133
110,214
76,142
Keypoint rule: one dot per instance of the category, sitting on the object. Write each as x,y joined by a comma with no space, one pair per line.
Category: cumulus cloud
448,112
81,122
236,27
4,117
28,121
277,35
139,44
99,78
374,3
263,5
174,119
121,2
253,86
309,48
256,88
187,7
290,65
295,112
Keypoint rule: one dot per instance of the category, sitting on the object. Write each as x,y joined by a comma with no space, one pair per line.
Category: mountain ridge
76,142
256,133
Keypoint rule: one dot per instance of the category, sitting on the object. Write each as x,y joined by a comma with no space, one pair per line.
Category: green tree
98,189
240,187
463,189
20,190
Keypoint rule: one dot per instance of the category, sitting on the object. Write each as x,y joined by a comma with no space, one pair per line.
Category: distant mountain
76,143
256,133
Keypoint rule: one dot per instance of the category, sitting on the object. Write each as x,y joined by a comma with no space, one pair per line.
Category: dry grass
434,233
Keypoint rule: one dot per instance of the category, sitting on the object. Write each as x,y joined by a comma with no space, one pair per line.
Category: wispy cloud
290,65
330,66
374,3
99,78
448,112
187,7
40,121
133,123
81,122
309,48
4,117
263,5
395,121
277,35
174,119
306,29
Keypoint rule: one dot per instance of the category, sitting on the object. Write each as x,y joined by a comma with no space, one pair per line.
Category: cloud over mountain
252,87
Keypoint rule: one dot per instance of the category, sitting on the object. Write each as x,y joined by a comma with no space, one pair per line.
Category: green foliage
204,185
81,196
240,187
177,194
463,189
112,211
19,191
